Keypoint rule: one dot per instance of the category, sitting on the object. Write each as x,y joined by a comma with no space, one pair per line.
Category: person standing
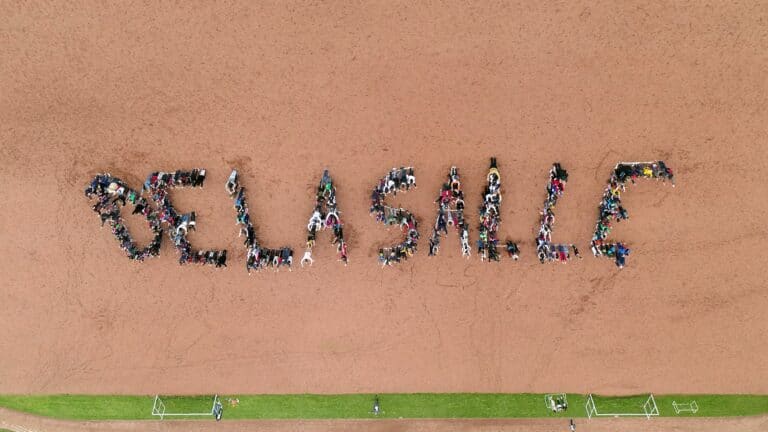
576,251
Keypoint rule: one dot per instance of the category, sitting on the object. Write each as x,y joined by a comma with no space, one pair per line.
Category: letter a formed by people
325,215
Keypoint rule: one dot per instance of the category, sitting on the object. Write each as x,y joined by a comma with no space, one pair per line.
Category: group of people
111,191
157,185
112,194
487,244
545,249
325,215
450,213
611,208
397,180
257,257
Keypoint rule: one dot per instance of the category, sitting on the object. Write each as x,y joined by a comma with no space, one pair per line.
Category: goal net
184,406
621,406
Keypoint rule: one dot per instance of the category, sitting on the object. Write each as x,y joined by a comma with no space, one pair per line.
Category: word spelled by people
112,194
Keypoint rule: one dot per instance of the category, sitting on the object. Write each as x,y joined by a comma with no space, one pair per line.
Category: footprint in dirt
239,162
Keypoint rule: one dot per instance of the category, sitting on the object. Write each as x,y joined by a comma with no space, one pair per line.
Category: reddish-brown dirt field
17,422
281,90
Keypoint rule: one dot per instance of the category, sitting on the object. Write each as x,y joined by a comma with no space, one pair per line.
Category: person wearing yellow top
647,172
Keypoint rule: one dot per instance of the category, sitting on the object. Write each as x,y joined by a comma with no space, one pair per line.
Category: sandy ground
281,90
23,423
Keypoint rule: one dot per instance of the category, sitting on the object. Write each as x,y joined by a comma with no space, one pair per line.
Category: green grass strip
353,406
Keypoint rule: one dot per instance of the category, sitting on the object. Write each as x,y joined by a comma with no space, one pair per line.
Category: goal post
158,407
590,407
184,406
648,407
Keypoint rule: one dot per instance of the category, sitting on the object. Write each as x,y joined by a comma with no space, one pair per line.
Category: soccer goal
556,402
184,406
691,407
616,406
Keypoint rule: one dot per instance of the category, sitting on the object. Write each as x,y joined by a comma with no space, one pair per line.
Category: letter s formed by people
397,180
